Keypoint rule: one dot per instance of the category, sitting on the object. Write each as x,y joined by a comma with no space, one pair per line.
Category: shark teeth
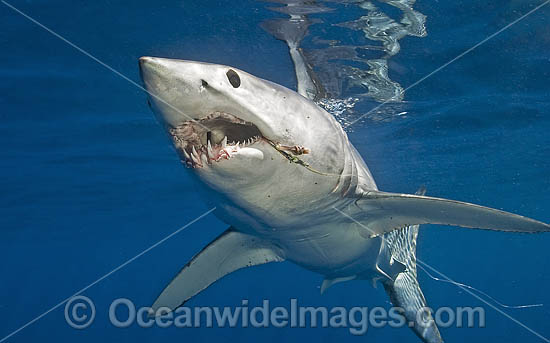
200,156
195,153
195,159
186,154
204,159
210,151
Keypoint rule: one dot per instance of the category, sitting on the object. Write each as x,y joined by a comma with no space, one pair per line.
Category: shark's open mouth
213,138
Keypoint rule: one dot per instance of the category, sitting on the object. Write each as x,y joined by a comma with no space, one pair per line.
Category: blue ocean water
89,180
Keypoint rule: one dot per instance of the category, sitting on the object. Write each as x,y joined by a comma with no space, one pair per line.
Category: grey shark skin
282,173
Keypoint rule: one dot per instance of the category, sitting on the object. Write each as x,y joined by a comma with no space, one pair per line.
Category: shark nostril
204,83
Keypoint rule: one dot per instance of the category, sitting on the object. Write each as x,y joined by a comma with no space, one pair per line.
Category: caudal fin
404,291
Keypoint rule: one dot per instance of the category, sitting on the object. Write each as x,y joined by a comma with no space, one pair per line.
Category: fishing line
479,291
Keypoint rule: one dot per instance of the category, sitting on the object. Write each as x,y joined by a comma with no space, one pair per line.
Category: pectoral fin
231,251
383,212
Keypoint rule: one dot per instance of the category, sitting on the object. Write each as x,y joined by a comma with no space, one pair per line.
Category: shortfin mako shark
282,173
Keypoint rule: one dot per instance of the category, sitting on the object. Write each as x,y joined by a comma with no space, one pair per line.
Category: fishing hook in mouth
291,153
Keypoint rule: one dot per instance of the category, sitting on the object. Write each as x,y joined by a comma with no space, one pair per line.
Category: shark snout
173,88
144,60
172,71
150,67
181,91
158,74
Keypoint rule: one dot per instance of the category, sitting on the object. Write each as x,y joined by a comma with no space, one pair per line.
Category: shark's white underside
283,174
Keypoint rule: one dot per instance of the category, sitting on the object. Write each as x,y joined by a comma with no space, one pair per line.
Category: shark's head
247,138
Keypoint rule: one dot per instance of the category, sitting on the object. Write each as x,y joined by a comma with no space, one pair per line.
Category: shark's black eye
204,83
233,78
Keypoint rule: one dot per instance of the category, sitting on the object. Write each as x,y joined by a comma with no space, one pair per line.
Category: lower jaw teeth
209,150
204,159
186,154
206,154
195,158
